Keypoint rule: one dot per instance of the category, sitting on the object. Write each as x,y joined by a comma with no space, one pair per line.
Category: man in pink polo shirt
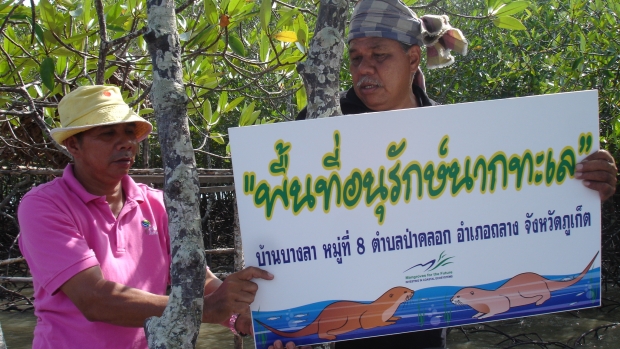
97,243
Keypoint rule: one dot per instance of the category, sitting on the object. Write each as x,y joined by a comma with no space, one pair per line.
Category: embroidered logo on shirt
149,227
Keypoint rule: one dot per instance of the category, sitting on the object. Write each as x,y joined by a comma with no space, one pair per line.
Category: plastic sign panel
408,220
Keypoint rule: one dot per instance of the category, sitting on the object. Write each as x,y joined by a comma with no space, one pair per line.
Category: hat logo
107,93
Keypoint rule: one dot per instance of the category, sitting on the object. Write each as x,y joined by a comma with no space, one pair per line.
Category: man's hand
244,323
290,345
233,296
598,172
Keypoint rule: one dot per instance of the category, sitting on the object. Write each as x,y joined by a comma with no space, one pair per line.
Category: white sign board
414,219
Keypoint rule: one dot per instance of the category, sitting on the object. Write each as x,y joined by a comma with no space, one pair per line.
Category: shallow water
562,327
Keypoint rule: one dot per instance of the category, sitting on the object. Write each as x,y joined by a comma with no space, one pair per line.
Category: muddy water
562,328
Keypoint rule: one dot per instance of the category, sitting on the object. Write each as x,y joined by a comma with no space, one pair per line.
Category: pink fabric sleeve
54,249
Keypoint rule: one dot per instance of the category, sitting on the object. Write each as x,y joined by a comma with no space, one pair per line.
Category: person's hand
290,345
598,172
233,296
244,323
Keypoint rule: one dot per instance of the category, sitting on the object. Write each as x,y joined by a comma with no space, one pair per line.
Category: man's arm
101,300
598,172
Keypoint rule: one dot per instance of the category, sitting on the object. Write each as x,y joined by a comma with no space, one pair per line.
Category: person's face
105,153
382,72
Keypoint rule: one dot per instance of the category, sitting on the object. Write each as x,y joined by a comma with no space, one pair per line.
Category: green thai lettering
550,168
279,166
567,164
412,167
325,187
443,147
394,151
516,165
492,166
465,181
331,161
307,200
377,186
352,191
265,196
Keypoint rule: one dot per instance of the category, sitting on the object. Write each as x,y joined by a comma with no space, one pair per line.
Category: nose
366,66
127,141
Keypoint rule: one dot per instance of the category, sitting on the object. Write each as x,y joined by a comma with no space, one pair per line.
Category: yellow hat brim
109,115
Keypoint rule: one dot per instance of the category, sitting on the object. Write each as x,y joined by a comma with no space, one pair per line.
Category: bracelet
231,324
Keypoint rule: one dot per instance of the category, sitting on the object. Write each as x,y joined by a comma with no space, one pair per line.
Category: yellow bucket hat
91,106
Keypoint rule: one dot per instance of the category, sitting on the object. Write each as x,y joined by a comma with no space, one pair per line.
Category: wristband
231,324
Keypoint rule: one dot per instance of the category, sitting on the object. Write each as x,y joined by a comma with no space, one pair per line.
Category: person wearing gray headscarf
387,86
385,40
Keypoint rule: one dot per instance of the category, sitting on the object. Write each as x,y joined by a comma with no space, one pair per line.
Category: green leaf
221,105
38,32
511,8
265,14
577,64
246,115
109,72
264,48
301,30
86,10
62,51
230,106
302,99
47,73
75,37
236,45
48,14
211,11
217,137
234,6
582,42
508,22
145,111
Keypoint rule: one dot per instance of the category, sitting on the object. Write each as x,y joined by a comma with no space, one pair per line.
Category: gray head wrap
392,19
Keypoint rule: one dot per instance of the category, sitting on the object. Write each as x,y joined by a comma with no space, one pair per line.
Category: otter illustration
345,316
523,289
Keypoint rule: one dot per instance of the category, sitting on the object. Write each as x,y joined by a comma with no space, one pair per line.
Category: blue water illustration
428,308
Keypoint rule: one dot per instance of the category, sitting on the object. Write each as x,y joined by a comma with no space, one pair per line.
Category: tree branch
103,46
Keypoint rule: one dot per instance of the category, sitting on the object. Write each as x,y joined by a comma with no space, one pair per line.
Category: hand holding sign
233,296
598,172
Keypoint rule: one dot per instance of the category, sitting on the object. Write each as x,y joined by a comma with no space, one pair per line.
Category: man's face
105,153
382,71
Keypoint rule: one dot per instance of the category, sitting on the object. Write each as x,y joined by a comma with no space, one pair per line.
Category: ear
414,54
72,145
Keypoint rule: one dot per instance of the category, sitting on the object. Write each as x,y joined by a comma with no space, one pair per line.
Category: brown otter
523,289
346,316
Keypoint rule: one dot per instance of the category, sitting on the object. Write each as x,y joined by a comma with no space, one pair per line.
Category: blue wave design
429,308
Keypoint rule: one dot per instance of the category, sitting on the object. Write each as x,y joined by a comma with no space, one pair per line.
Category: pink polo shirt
65,229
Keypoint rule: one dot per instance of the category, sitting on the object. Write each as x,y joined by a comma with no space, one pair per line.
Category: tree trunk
321,71
179,325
